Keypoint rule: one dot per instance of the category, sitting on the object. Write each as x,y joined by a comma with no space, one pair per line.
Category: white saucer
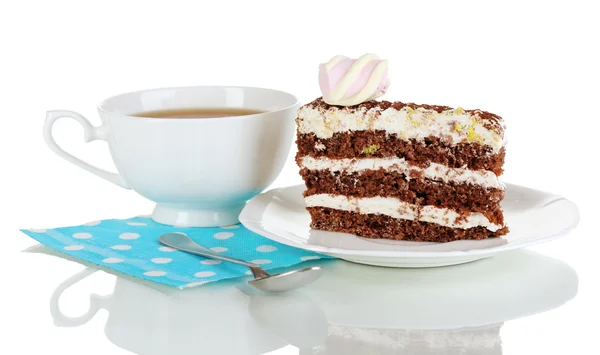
532,216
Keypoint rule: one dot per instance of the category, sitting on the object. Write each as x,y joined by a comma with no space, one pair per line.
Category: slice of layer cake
392,170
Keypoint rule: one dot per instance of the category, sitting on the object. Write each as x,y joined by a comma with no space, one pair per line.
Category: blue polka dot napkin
131,247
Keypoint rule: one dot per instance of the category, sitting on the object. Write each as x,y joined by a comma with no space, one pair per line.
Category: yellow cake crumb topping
370,149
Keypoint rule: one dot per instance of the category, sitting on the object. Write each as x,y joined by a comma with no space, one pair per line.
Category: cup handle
91,133
96,302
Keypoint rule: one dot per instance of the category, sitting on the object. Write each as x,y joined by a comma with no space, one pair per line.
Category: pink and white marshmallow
347,82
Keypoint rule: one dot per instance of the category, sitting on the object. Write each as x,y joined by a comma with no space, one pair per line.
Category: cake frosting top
346,82
490,120
408,120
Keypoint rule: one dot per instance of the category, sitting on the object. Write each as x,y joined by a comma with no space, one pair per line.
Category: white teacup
200,172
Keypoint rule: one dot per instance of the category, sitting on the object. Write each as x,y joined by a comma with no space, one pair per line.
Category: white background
534,63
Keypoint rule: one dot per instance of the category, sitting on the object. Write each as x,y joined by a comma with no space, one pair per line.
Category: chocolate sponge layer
385,227
463,198
376,144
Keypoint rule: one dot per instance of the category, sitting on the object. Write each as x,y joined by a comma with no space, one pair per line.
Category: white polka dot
82,235
266,248
312,257
248,272
74,247
166,249
137,224
155,273
235,226
92,223
219,249
223,235
129,236
261,261
112,260
161,260
121,247
195,284
211,262
204,274
145,216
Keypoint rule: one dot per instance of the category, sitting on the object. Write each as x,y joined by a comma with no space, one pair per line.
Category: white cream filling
395,208
453,125
434,171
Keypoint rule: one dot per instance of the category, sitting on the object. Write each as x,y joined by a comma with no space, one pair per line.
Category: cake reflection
483,340
459,309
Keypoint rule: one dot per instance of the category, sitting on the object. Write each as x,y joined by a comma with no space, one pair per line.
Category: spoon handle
184,243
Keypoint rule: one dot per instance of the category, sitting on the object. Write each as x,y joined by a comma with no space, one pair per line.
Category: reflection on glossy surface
155,320
483,340
352,309
425,311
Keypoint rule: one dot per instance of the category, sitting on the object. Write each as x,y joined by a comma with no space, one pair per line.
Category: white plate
532,216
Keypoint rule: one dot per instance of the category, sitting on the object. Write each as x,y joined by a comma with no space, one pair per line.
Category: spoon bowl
288,280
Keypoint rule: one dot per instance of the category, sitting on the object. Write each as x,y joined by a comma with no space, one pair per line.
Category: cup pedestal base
181,216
